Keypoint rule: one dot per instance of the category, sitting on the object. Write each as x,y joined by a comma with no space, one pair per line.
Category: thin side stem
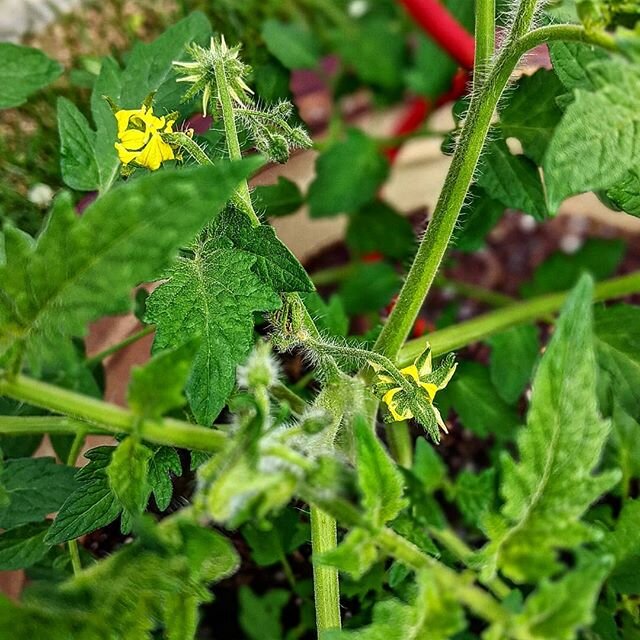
109,351
483,326
325,578
72,545
231,134
109,417
400,444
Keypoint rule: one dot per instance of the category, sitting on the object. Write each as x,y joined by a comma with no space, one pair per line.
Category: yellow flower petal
430,388
134,140
124,116
155,153
124,154
393,406
411,372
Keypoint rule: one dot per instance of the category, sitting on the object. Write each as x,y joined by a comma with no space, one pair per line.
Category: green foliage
164,462
278,199
513,355
292,44
610,151
156,387
513,180
23,72
32,488
23,546
474,495
92,505
260,615
79,268
128,475
369,287
548,490
348,174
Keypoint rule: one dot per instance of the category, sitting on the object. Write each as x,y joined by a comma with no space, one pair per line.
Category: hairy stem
465,333
325,578
109,417
485,36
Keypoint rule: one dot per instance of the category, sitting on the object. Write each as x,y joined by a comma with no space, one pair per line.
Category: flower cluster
409,392
140,137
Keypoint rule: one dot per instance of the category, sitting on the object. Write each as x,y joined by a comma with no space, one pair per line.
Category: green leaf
477,403
551,486
156,387
213,295
624,545
574,162
428,466
355,555
378,227
291,44
329,316
479,216
559,272
379,479
571,61
276,266
531,113
260,616
514,180
92,505
474,495
625,445
128,474
513,354
278,199
348,175
23,546
165,461
149,66
77,148
34,487
618,352
369,287
81,268
559,609
432,69
434,613
626,193
23,72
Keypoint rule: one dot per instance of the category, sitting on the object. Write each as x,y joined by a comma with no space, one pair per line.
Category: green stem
99,357
463,165
53,425
400,444
283,393
109,417
485,36
465,333
325,578
474,292
231,134
74,452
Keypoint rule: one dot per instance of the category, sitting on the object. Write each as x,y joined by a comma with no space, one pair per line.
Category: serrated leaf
23,72
513,354
291,44
77,143
23,546
165,461
571,61
213,295
92,505
355,555
128,474
348,175
513,180
625,194
477,403
553,483
625,445
559,609
156,387
149,66
378,227
34,487
379,479
474,494
624,545
595,144
276,266
81,268
531,113
278,199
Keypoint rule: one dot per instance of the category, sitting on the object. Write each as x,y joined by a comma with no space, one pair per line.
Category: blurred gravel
21,17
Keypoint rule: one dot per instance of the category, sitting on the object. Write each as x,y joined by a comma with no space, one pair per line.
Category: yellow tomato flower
139,133
414,397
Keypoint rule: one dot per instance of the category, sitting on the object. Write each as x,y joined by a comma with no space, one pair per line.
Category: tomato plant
337,474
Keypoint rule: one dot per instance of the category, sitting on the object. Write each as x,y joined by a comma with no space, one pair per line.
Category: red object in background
452,37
